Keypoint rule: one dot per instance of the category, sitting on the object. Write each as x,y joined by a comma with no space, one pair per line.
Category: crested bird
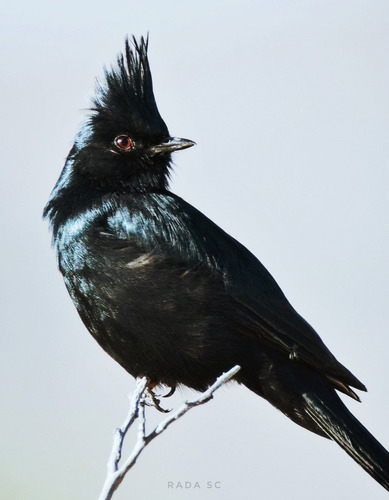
166,292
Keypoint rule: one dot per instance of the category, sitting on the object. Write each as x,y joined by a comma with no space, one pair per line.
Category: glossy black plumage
170,295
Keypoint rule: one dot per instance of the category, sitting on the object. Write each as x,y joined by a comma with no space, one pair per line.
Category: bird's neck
73,199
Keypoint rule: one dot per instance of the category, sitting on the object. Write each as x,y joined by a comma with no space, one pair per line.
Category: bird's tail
335,420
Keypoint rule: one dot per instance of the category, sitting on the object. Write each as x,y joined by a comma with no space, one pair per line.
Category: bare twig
115,474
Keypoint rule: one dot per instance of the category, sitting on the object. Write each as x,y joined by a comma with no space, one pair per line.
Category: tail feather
343,428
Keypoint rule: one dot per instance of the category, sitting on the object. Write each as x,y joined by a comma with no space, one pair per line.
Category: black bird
166,292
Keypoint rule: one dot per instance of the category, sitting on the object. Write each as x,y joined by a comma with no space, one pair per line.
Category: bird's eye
123,142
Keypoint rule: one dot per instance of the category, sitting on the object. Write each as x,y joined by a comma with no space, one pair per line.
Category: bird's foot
154,398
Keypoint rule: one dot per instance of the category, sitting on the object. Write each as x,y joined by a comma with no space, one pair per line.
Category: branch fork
116,471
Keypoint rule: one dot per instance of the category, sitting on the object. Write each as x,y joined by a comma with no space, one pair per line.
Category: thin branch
115,474
110,484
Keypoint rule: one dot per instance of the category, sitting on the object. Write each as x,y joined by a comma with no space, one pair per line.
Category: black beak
171,144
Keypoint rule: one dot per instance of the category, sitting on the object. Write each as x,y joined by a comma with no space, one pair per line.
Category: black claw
155,402
159,407
171,392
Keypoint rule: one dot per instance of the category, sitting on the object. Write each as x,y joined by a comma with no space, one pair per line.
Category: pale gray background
288,103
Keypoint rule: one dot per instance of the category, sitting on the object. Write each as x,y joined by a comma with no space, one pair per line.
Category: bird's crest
126,96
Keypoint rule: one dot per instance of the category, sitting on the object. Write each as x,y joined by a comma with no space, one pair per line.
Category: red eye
123,142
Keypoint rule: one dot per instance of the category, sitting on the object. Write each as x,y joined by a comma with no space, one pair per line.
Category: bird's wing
167,225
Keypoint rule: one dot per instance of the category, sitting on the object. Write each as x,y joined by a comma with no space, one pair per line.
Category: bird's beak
172,144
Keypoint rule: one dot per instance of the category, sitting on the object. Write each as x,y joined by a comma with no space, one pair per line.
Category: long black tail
341,426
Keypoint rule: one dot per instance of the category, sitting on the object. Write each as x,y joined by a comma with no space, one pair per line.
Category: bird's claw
154,398
154,401
172,390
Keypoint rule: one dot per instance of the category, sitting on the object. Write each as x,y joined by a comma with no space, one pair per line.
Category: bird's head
125,144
